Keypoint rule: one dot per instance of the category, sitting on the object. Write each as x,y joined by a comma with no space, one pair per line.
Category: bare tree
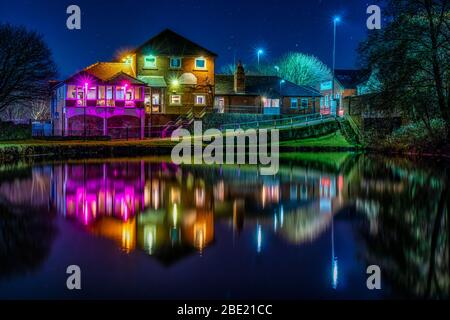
296,67
301,69
411,57
26,66
40,110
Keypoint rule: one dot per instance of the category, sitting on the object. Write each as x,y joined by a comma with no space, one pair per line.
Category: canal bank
319,137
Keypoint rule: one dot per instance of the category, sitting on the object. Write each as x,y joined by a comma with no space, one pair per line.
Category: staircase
183,121
349,133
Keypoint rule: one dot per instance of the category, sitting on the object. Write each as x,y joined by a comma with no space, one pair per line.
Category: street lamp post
336,20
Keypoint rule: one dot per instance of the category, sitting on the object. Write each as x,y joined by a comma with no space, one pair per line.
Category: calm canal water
148,229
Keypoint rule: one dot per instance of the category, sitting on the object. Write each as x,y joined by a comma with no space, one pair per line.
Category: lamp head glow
337,19
282,81
175,82
260,51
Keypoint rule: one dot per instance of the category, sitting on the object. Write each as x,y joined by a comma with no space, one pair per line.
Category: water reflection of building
137,204
168,211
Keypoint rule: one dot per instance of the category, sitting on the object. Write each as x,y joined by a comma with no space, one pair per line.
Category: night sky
231,28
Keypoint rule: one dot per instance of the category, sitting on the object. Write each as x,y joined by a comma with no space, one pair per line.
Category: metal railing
278,123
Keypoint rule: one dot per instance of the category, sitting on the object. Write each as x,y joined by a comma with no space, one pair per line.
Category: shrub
416,137
12,131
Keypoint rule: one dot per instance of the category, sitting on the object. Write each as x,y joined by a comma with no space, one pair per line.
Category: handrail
353,125
286,121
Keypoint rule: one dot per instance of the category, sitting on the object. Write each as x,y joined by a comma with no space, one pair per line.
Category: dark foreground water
149,229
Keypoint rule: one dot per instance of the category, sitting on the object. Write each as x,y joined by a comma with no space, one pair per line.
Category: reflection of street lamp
86,85
258,238
336,20
259,53
334,259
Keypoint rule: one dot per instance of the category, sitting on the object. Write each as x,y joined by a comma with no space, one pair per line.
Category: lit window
71,92
129,94
175,63
175,99
120,93
271,103
200,100
304,104
294,103
150,62
326,101
155,99
92,93
200,63
321,101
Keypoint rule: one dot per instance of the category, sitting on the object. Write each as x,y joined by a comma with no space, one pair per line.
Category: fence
278,123
41,129
116,133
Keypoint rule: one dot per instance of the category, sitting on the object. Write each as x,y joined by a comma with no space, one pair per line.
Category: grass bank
320,137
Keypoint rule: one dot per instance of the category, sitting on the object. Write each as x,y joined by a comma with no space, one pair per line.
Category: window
326,101
120,93
155,99
80,92
304,104
71,92
129,94
149,62
294,103
271,103
109,97
200,100
321,101
175,99
138,93
92,93
175,63
200,63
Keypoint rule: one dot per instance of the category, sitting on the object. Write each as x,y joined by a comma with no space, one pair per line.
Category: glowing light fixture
175,82
259,53
128,59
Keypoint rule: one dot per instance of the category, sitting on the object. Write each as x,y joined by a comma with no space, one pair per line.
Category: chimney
239,79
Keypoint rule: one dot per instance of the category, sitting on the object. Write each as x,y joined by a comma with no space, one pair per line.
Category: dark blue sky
227,27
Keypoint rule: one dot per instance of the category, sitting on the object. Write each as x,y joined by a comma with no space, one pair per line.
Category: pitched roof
268,86
350,78
106,70
122,76
168,42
